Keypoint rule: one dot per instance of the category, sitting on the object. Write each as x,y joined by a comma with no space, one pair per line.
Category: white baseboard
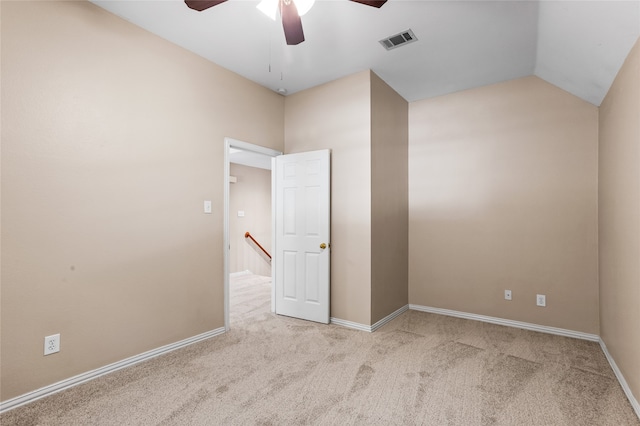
93,374
620,377
369,328
508,323
350,324
241,273
389,317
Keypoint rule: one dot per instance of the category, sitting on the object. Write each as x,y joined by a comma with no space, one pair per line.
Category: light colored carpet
419,369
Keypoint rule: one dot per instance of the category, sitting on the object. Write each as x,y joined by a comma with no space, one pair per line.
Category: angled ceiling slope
583,44
576,45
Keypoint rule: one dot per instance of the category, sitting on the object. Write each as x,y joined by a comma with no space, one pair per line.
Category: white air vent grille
399,39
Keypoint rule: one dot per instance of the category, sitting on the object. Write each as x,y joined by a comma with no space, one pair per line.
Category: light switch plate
207,206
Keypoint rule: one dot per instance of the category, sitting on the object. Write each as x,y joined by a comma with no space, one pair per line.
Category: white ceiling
577,45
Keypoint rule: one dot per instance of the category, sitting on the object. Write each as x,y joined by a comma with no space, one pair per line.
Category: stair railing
248,236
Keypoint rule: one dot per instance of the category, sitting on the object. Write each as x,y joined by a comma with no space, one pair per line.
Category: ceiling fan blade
201,5
374,3
291,23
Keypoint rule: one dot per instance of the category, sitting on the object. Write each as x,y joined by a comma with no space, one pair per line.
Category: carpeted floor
420,369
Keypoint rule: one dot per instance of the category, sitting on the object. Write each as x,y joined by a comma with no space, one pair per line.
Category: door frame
245,146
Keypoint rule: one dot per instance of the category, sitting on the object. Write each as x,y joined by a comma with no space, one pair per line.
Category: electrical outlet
541,300
52,344
507,295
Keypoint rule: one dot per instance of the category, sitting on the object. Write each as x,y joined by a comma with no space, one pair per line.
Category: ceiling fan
291,21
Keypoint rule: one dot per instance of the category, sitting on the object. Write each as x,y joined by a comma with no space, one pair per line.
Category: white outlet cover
52,344
541,300
507,294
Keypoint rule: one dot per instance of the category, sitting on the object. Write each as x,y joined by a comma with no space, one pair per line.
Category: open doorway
247,209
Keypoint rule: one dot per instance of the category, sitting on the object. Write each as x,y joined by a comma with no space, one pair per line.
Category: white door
302,210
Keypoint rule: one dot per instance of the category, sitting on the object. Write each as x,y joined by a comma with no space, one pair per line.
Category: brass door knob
323,246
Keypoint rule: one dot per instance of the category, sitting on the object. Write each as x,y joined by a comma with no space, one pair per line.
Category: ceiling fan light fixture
304,6
269,8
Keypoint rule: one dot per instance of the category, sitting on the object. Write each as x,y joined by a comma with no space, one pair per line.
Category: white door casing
302,235
245,146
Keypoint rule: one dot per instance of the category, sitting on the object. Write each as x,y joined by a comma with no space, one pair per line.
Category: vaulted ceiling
576,45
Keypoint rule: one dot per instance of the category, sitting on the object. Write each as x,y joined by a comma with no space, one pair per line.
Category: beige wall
252,195
389,200
619,220
337,116
503,195
111,140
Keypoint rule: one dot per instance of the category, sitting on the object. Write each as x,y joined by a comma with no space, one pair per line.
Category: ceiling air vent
399,39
